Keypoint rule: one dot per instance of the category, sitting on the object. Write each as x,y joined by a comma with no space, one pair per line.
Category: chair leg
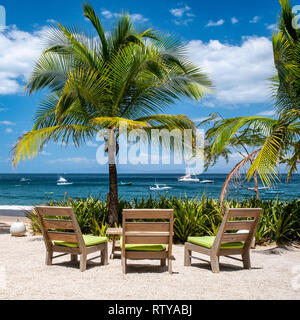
170,266
74,258
246,260
163,262
187,257
214,260
49,257
104,255
83,262
124,266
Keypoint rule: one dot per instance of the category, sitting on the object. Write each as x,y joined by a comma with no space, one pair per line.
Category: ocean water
41,188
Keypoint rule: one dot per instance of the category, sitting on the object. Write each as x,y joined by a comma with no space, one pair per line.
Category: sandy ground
24,275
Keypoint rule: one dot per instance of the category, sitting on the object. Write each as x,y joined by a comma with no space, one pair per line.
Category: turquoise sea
32,189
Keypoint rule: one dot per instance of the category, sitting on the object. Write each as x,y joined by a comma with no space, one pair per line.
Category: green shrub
280,220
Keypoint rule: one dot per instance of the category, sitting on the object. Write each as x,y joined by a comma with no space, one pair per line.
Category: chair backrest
238,219
59,224
137,230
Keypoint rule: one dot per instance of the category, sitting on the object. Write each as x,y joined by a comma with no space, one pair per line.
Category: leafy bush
280,221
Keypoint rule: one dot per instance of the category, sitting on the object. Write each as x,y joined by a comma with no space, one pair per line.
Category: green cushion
144,247
88,240
207,242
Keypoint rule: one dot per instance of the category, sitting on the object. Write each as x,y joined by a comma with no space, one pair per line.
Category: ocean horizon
34,189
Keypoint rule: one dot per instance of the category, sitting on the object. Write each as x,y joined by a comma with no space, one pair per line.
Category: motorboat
207,181
24,180
159,187
63,182
123,184
188,178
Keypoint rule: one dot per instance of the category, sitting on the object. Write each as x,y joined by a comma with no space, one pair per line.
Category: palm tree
282,132
97,82
244,143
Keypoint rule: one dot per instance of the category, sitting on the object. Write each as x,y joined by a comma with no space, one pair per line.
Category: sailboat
159,187
63,182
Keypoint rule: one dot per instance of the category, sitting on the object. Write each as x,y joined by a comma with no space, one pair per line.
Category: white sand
27,276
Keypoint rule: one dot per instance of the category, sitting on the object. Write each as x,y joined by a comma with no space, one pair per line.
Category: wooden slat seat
61,233
141,235
227,243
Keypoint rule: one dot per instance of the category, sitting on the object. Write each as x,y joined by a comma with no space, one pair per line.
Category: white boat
24,180
207,181
188,178
159,187
63,182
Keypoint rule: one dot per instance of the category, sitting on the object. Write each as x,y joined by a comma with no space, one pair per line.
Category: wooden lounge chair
147,240
69,239
227,244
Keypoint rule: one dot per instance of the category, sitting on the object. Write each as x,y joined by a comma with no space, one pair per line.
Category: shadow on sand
4,228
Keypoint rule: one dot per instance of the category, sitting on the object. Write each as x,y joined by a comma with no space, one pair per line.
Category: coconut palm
244,143
282,132
100,80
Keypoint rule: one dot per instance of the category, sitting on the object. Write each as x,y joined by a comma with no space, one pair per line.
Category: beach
26,276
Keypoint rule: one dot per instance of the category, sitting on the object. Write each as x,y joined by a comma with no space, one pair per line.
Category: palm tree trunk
256,185
113,181
113,196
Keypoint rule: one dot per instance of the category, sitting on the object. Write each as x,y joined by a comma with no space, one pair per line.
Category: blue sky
230,39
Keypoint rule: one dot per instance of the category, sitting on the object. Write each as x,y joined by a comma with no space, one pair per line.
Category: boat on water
207,181
188,178
63,182
25,180
159,187
123,184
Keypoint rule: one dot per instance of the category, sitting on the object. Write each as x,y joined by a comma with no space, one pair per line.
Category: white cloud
44,153
9,130
255,19
135,17
52,21
271,26
183,15
267,113
18,52
91,144
3,109
7,123
239,72
179,12
215,23
79,160
107,14
234,20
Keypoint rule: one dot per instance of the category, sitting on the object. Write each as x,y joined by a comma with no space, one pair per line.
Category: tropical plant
98,82
244,143
280,220
282,132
